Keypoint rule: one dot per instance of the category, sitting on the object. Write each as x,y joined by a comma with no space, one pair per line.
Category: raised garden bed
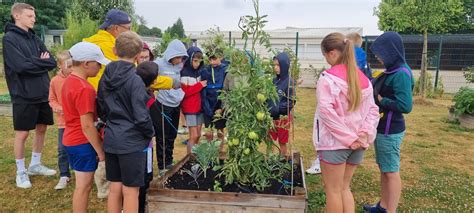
177,191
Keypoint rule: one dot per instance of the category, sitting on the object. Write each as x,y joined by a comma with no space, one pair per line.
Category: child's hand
204,83
101,156
44,55
356,145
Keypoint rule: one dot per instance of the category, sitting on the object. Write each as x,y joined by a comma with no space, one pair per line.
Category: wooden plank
167,207
227,198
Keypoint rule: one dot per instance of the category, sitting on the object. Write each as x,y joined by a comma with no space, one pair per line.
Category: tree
421,16
177,29
98,8
143,30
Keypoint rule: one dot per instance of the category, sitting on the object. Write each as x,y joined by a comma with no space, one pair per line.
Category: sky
200,15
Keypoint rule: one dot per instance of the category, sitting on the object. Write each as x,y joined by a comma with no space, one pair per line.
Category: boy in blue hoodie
280,110
393,95
122,99
215,75
361,56
169,101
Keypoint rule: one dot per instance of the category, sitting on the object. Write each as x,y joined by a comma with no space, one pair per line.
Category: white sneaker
315,168
40,169
183,130
22,180
62,183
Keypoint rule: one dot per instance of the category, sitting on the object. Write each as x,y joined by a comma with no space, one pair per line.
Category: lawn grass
437,165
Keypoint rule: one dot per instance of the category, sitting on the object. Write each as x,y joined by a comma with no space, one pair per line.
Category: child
148,72
169,101
122,101
361,57
345,121
393,94
146,54
55,101
192,85
285,87
81,139
215,75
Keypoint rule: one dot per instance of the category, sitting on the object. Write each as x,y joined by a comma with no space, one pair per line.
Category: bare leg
80,198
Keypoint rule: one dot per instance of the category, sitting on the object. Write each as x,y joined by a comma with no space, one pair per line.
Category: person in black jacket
27,62
122,101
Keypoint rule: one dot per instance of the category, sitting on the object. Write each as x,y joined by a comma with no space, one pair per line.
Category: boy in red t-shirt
81,139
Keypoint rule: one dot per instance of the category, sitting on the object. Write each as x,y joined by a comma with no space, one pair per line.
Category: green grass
437,167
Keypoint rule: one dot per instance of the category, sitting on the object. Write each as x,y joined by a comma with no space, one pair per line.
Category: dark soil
182,180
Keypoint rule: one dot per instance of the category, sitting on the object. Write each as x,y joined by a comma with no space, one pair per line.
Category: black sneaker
374,208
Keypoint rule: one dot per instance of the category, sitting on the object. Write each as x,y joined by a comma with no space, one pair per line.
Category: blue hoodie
398,84
215,77
172,97
361,59
285,88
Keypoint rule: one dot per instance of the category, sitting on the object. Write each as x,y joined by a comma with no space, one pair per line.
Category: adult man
27,62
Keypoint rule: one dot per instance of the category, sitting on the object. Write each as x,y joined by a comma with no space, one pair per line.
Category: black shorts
214,123
26,116
126,168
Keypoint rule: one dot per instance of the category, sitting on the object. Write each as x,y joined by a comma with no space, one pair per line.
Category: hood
146,47
100,36
12,27
175,48
117,73
188,69
284,61
389,48
342,85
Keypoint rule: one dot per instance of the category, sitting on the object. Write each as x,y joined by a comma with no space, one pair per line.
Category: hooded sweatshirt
334,126
172,97
26,73
285,88
106,42
191,84
122,99
215,77
397,86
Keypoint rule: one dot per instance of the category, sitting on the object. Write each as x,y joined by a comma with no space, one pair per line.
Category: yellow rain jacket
106,42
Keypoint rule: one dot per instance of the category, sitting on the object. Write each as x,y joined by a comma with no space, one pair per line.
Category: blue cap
115,17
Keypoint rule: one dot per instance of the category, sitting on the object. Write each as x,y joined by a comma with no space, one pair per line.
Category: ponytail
337,41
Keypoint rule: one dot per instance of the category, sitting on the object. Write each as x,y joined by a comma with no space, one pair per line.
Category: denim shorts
341,156
82,158
387,151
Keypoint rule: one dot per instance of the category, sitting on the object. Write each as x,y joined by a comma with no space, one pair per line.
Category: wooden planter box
466,121
161,199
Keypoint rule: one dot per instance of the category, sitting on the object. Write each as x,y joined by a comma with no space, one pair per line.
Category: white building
309,45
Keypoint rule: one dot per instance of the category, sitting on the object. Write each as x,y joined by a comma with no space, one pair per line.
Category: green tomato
252,135
235,141
260,116
261,97
247,151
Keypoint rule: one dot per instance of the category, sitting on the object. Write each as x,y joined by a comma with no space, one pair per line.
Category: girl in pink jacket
345,121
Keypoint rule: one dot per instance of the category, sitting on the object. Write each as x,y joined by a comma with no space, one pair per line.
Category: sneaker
183,130
40,169
22,180
315,168
185,142
374,208
62,183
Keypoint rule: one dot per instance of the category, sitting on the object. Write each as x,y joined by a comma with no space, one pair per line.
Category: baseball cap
85,51
115,17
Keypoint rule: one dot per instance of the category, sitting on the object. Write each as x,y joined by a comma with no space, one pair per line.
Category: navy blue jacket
215,77
397,85
122,99
26,73
285,87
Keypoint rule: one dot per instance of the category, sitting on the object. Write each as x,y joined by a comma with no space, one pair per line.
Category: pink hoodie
334,126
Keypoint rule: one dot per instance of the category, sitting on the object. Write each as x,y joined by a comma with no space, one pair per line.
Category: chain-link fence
448,55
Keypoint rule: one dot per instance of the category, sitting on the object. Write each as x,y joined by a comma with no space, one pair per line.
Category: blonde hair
128,45
63,56
355,38
19,7
337,41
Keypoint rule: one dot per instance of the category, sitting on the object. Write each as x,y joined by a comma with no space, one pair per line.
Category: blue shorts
82,158
387,151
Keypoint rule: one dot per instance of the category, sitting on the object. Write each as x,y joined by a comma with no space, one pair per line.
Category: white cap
86,51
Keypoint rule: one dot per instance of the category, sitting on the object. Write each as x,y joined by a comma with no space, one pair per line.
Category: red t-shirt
78,98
